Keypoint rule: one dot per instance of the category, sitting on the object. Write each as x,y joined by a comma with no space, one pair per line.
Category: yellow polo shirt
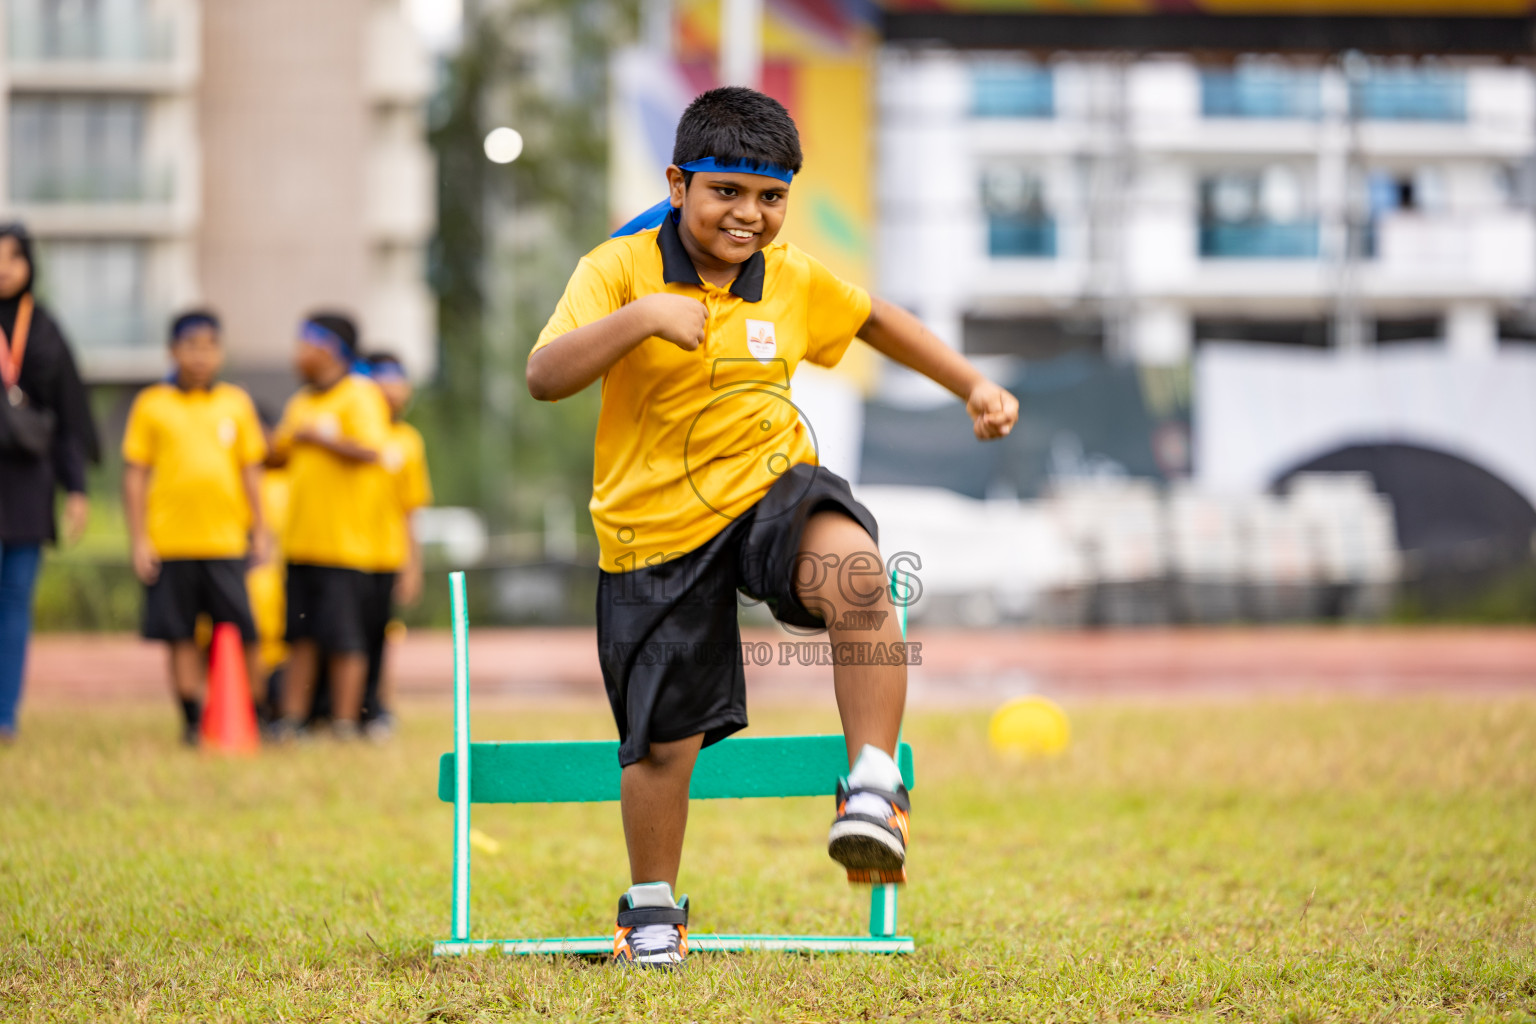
331,503
195,445
688,441
405,488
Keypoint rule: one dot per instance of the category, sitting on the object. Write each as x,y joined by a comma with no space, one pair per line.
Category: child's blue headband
187,324
386,371
655,215
317,334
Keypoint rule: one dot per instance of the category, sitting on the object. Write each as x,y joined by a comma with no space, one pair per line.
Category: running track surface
958,668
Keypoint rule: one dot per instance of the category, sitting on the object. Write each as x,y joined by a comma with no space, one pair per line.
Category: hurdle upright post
882,898
461,805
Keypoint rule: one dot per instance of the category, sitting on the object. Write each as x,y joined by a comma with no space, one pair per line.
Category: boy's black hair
338,324
382,359
191,319
732,123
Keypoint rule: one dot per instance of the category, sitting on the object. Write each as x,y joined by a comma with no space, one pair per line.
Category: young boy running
330,437
396,574
706,483
192,452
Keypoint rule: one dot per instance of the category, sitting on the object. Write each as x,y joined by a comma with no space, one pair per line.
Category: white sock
873,769
653,936
651,894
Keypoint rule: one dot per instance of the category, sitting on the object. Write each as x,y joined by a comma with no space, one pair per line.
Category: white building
1279,226
265,158
1141,206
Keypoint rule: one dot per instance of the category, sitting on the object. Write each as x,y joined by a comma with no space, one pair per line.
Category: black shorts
380,605
380,611
189,587
329,605
667,636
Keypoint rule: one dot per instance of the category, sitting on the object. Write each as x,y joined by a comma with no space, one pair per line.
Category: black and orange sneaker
869,834
651,936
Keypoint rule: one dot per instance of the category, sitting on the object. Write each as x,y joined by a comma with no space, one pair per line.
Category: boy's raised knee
675,755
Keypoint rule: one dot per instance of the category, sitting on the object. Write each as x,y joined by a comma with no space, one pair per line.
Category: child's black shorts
381,609
331,606
189,587
667,635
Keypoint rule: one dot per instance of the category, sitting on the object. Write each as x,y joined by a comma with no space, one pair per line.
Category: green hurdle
580,772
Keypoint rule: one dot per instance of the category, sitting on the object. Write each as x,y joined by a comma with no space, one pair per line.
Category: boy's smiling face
727,215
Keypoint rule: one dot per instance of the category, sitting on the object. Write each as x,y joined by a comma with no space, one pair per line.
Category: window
1257,215
90,30
79,149
1013,90
1035,338
1311,333
1410,94
1389,193
96,287
1260,90
1018,223
1410,329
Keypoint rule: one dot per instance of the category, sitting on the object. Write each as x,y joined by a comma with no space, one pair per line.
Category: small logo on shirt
393,458
227,433
760,340
328,426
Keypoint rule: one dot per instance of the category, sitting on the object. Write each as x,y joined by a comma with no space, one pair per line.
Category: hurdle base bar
602,945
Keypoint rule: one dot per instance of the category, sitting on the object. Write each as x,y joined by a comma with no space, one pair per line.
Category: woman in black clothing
37,371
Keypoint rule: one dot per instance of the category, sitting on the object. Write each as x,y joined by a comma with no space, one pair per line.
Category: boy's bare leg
653,794
186,669
870,698
253,675
299,679
349,674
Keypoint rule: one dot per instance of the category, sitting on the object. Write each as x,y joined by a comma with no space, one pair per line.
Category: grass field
1297,860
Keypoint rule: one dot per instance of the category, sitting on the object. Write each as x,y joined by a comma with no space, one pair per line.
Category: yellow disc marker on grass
1029,727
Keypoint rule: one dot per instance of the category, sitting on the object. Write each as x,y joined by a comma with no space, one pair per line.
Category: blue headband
386,371
653,217
317,334
191,323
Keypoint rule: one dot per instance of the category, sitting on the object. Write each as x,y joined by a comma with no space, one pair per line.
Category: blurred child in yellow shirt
192,452
396,575
264,583
330,438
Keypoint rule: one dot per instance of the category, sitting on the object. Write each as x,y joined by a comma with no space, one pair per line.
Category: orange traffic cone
229,720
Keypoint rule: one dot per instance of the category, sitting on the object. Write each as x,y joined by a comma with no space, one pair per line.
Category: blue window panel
1021,236
1260,94
1259,241
1014,92
1387,95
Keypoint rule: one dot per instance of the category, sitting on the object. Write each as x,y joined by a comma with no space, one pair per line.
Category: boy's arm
408,586
340,447
580,356
363,428
146,562
898,334
261,544
280,440
415,492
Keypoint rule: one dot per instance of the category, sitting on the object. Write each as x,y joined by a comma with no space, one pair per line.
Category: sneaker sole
665,962
866,847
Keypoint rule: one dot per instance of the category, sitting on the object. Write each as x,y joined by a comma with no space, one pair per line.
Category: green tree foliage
508,238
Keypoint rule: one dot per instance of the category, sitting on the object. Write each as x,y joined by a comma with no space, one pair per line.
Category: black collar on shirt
677,266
